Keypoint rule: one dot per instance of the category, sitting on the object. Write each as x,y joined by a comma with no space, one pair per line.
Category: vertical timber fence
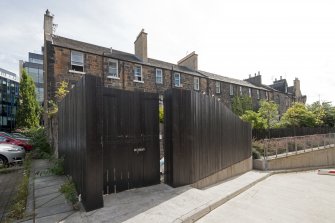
109,139
202,137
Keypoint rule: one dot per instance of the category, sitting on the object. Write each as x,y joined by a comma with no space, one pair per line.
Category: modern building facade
34,68
9,94
68,60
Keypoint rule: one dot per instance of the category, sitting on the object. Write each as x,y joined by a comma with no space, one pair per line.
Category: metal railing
279,147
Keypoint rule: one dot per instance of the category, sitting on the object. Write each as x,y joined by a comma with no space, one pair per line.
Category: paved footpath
161,203
292,197
45,203
8,188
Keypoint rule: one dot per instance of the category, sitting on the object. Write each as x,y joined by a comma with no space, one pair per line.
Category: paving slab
291,197
161,203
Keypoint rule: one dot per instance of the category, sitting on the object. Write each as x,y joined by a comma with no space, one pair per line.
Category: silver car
11,154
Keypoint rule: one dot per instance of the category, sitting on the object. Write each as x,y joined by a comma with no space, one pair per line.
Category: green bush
69,191
39,141
161,115
58,166
255,154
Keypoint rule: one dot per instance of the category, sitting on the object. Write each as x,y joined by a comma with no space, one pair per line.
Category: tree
241,104
28,112
269,111
255,119
61,92
329,118
319,112
298,116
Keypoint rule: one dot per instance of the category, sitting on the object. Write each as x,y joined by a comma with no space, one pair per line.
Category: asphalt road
292,197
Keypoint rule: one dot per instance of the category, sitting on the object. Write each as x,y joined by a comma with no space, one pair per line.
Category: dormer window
77,61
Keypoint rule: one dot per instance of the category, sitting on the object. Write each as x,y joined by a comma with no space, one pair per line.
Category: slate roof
229,80
94,49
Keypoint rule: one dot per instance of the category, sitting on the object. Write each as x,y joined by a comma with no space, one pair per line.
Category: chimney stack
141,50
48,23
281,77
296,84
190,61
259,73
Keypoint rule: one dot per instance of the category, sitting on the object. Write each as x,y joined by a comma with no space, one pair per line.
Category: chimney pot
259,73
281,77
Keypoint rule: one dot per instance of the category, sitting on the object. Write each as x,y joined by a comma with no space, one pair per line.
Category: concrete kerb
203,210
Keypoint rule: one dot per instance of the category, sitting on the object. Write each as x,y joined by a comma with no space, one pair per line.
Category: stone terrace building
280,92
67,59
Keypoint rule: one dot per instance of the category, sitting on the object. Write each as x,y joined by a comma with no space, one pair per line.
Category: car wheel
3,161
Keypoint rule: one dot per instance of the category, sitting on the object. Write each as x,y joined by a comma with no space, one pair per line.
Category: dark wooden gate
109,139
130,140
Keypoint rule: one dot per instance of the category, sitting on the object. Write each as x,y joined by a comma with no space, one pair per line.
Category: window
249,92
159,76
240,90
176,79
267,95
113,69
258,96
231,90
196,83
77,61
138,73
217,87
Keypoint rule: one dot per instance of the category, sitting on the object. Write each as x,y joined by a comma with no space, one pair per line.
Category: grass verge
18,206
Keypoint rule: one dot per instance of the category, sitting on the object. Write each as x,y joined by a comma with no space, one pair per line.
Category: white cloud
232,38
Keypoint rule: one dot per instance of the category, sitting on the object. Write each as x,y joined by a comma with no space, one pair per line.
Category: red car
9,140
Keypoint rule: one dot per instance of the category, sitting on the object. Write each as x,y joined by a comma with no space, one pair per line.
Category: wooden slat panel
202,137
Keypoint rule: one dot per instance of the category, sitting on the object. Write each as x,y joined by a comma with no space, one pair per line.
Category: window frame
218,88
196,86
157,78
73,63
231,90
136,76
174,79
258,94
110,75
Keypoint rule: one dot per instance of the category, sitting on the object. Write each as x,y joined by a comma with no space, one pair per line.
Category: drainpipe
123,77
102,69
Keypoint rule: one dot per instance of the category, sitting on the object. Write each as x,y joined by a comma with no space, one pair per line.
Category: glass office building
34,68
9,94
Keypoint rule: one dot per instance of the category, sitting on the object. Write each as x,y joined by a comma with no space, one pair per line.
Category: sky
288,38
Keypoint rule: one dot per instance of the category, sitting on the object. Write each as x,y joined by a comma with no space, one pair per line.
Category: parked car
18,135
9,140
15,136
11,154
